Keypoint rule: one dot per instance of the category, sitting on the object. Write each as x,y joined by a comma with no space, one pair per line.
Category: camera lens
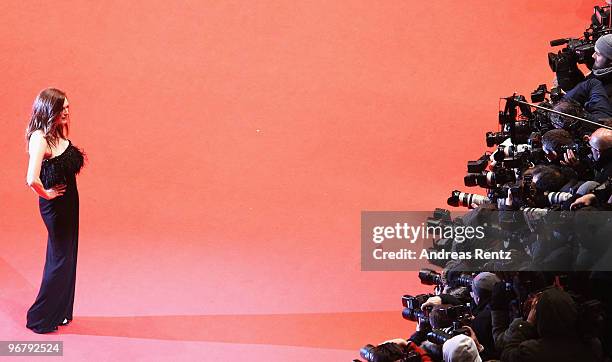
367,352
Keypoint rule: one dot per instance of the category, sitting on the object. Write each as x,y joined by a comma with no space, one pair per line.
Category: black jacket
603,166
482,324
593,96
554,337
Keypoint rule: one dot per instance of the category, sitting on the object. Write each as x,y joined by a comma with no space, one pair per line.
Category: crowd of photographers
549,193
507,316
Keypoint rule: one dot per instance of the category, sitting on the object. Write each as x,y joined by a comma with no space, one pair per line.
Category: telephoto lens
415,302
430,277
465,199
557,198
489,179
471,179
414,314
440,336
367,352
463,280
492,178
412,307
388,352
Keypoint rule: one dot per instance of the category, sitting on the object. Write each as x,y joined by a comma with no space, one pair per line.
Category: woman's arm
36,149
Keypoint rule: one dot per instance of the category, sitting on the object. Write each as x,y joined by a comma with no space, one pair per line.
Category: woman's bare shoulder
37,140
37,135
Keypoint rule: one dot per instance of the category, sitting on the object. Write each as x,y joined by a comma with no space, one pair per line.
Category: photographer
550,332
438,319
553,142
482,287
462,348
587,100
551,179
557,145
551,245
602,66
601,148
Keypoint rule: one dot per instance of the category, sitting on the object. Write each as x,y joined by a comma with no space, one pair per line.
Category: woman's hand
55,191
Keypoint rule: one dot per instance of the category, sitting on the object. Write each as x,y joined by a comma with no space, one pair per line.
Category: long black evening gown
55,299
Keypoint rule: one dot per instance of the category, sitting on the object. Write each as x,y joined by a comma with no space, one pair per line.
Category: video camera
578,50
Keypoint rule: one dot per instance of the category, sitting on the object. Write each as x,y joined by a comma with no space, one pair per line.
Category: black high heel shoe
65,322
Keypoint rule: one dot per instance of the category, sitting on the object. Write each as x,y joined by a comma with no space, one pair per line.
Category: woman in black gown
54,162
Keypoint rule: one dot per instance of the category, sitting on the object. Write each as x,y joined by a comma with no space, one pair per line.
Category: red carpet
232,146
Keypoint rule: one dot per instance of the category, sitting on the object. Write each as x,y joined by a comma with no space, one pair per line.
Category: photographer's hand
401,342
500,297
570,159
423,325
472,335
531,318
432,301
585,200
507,201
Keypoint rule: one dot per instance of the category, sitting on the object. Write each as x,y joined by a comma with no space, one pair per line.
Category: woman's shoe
38,331
65,322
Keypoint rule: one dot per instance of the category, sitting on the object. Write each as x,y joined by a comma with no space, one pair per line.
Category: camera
412,307
430,277
536,228
440,217
389,352
489,179
522,193
465,199
495,138
461,280
578,51
539,95
565,62
440,336
479,165
580,149
558,198
415,302
510,151
601,17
